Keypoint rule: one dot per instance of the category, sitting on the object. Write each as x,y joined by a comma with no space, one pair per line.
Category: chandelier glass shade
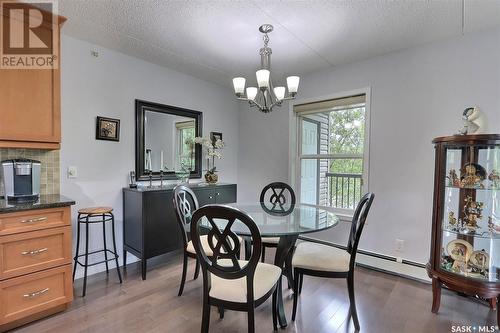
265,96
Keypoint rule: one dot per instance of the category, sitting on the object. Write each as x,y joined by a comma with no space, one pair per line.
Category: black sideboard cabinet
149,223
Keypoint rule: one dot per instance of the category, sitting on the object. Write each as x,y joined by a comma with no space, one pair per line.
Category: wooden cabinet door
25,296
30,103
225,194
205,195
162,232
29,252
29,106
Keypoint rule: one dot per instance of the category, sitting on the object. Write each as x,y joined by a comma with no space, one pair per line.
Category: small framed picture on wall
214,136
107,129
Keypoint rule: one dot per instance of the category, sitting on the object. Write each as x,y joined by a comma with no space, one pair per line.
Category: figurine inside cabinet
494,178
472,213
453,179
472,176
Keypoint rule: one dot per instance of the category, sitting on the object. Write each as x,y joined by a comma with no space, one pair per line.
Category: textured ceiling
217,40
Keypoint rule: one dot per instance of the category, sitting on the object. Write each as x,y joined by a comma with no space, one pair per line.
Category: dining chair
185,203
230,283
275,194
323,259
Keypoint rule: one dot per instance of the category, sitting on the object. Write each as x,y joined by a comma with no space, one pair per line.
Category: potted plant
213,150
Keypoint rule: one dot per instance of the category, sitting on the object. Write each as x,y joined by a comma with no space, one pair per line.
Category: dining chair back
276,198
185,203
230,283
278,194
224,261
358,223
323,259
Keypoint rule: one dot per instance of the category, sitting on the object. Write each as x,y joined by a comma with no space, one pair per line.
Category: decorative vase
183,175
211,177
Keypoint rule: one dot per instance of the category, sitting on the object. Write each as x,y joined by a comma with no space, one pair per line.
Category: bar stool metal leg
77,246
104,239
114,247
86,255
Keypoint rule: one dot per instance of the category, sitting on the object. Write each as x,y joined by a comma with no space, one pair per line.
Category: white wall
108,86
263,146
416,95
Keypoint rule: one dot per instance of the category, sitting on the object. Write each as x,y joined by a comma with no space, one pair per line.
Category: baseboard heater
383,263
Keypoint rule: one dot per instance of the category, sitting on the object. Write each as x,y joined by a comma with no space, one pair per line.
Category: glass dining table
286,222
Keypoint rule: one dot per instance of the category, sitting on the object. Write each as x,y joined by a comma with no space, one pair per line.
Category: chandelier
265,97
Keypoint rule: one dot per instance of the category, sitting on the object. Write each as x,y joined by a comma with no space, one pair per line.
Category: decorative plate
480,259
459,250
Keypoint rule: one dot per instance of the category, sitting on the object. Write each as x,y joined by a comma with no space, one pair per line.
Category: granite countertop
45,201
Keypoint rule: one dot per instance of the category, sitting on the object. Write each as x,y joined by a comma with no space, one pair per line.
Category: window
332,152
185,134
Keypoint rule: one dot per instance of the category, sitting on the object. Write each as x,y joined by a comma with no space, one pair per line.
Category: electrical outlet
72,172
400,245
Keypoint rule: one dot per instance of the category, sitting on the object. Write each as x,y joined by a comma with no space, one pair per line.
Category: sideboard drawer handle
36,293
32,252
37,219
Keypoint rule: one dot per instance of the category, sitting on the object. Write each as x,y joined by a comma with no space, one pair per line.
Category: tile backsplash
50,180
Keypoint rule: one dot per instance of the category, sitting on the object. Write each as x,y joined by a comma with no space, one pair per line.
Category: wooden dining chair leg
221,312
205,319
183,278
251,320
196,270
275,310
350,288
296,283
301,281
263,254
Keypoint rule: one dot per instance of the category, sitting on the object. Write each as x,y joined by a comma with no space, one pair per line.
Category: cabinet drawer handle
210,197
36,293
217,193
32,252
37,219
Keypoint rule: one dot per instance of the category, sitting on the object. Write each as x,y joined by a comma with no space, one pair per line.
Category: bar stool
89,216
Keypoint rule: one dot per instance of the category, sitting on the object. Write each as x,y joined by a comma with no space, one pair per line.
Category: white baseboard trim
366,259
393,267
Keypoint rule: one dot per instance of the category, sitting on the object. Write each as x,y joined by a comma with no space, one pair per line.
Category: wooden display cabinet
465,244
30,110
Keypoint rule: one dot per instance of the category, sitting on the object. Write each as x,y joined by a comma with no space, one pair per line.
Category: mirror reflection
168,142
164,138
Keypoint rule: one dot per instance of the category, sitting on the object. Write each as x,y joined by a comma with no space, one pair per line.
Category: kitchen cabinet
35,264
30,107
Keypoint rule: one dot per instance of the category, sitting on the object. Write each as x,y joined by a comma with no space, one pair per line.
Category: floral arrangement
213,150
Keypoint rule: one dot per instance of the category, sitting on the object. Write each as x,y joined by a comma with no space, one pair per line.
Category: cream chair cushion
319,257
270,240
266,276
204,244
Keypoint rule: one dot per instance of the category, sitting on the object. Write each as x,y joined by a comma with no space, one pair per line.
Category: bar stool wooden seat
88,216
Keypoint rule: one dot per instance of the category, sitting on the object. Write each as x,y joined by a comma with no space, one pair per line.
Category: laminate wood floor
385,304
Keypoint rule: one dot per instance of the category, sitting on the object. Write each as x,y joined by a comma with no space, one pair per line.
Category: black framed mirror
162,141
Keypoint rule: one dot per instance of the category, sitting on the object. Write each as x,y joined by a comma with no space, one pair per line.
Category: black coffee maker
21,179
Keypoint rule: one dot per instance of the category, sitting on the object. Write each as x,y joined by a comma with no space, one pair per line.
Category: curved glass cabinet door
470,237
